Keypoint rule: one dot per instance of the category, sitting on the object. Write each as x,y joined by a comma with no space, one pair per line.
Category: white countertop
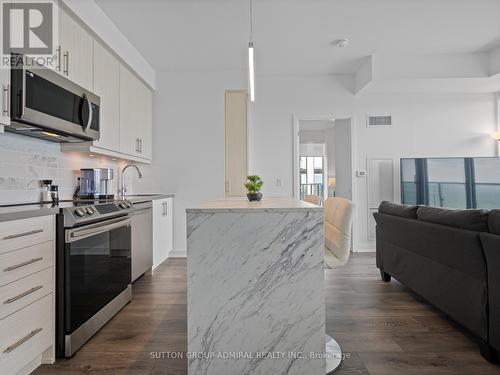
266,204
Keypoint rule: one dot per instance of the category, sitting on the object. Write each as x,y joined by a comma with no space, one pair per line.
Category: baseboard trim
177,253
364,248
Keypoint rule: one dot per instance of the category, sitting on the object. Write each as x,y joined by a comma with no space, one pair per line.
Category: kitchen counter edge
19,212
12,213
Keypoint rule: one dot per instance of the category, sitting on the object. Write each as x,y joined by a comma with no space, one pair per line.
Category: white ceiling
297,36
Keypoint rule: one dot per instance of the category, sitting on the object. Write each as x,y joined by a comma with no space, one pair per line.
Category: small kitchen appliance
95,183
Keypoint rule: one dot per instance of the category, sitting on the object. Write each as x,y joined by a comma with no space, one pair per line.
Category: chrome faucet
123,188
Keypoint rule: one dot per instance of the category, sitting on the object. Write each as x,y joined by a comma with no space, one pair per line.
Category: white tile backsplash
25,161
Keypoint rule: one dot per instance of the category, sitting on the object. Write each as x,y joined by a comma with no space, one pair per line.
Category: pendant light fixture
251,66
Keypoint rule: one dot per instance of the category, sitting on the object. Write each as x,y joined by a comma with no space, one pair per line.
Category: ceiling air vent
379,121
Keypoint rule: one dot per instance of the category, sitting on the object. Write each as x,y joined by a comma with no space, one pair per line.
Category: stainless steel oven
93,271
44,104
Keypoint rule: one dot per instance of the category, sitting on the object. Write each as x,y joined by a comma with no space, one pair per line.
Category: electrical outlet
360,173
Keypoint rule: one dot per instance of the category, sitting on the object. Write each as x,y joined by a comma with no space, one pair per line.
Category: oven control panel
79,215
107,208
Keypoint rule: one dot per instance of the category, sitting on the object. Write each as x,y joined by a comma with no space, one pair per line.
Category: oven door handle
73,235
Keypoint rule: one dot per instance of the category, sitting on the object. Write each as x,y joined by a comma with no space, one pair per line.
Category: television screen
451,182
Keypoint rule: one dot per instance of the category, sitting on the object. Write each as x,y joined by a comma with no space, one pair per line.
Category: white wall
312,149
330,150
188,140
312,136
424,125
189,133
343,158
189,105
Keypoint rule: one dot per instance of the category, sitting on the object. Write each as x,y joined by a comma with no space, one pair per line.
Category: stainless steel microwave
46,105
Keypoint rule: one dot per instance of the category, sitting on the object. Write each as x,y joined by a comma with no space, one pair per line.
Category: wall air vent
376,121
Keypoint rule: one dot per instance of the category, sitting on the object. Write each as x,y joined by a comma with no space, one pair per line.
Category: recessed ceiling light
342,43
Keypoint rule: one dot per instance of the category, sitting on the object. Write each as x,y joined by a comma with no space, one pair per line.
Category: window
446,183
487,182
311,176
409,181
451,182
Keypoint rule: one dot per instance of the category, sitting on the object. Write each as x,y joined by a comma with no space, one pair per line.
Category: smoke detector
342,43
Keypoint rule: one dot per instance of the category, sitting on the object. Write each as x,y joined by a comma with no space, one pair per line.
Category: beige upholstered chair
314,199
338,224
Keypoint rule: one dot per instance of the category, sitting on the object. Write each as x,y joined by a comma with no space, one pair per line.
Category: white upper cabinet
75,50
147,146
135,115
126,109
107,87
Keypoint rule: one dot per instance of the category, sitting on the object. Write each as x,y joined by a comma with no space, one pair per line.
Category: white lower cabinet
142,239
26,335
162,230
27,299
5,106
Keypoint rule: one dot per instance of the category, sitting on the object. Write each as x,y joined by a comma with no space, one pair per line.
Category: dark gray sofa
451,258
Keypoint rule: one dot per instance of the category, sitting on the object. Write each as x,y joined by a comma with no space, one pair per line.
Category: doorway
323,158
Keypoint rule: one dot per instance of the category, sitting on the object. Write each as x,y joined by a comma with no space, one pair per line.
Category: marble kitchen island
256,303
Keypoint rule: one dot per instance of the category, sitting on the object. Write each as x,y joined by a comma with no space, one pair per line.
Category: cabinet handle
24,234
23,264
59,58
6,100
22,341
22,295
66,63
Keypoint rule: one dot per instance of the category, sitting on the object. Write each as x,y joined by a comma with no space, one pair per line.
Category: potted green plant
253,185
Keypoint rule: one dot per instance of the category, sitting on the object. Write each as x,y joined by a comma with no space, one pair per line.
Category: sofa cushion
494,221
401,210
476,220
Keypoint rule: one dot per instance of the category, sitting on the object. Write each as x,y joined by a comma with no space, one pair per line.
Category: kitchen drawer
20,293
17,234
17,264
26,334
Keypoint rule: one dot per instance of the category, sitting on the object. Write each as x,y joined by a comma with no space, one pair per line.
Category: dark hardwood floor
383,327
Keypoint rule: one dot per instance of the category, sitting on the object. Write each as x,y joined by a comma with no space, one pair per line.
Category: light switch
278,181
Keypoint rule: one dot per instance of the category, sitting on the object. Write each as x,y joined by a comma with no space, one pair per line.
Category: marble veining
255,284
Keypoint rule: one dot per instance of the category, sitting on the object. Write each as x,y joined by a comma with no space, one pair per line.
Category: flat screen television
451,182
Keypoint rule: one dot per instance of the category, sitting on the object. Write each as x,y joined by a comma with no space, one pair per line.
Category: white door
343,162
236,143
107,87
380,188
76,51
